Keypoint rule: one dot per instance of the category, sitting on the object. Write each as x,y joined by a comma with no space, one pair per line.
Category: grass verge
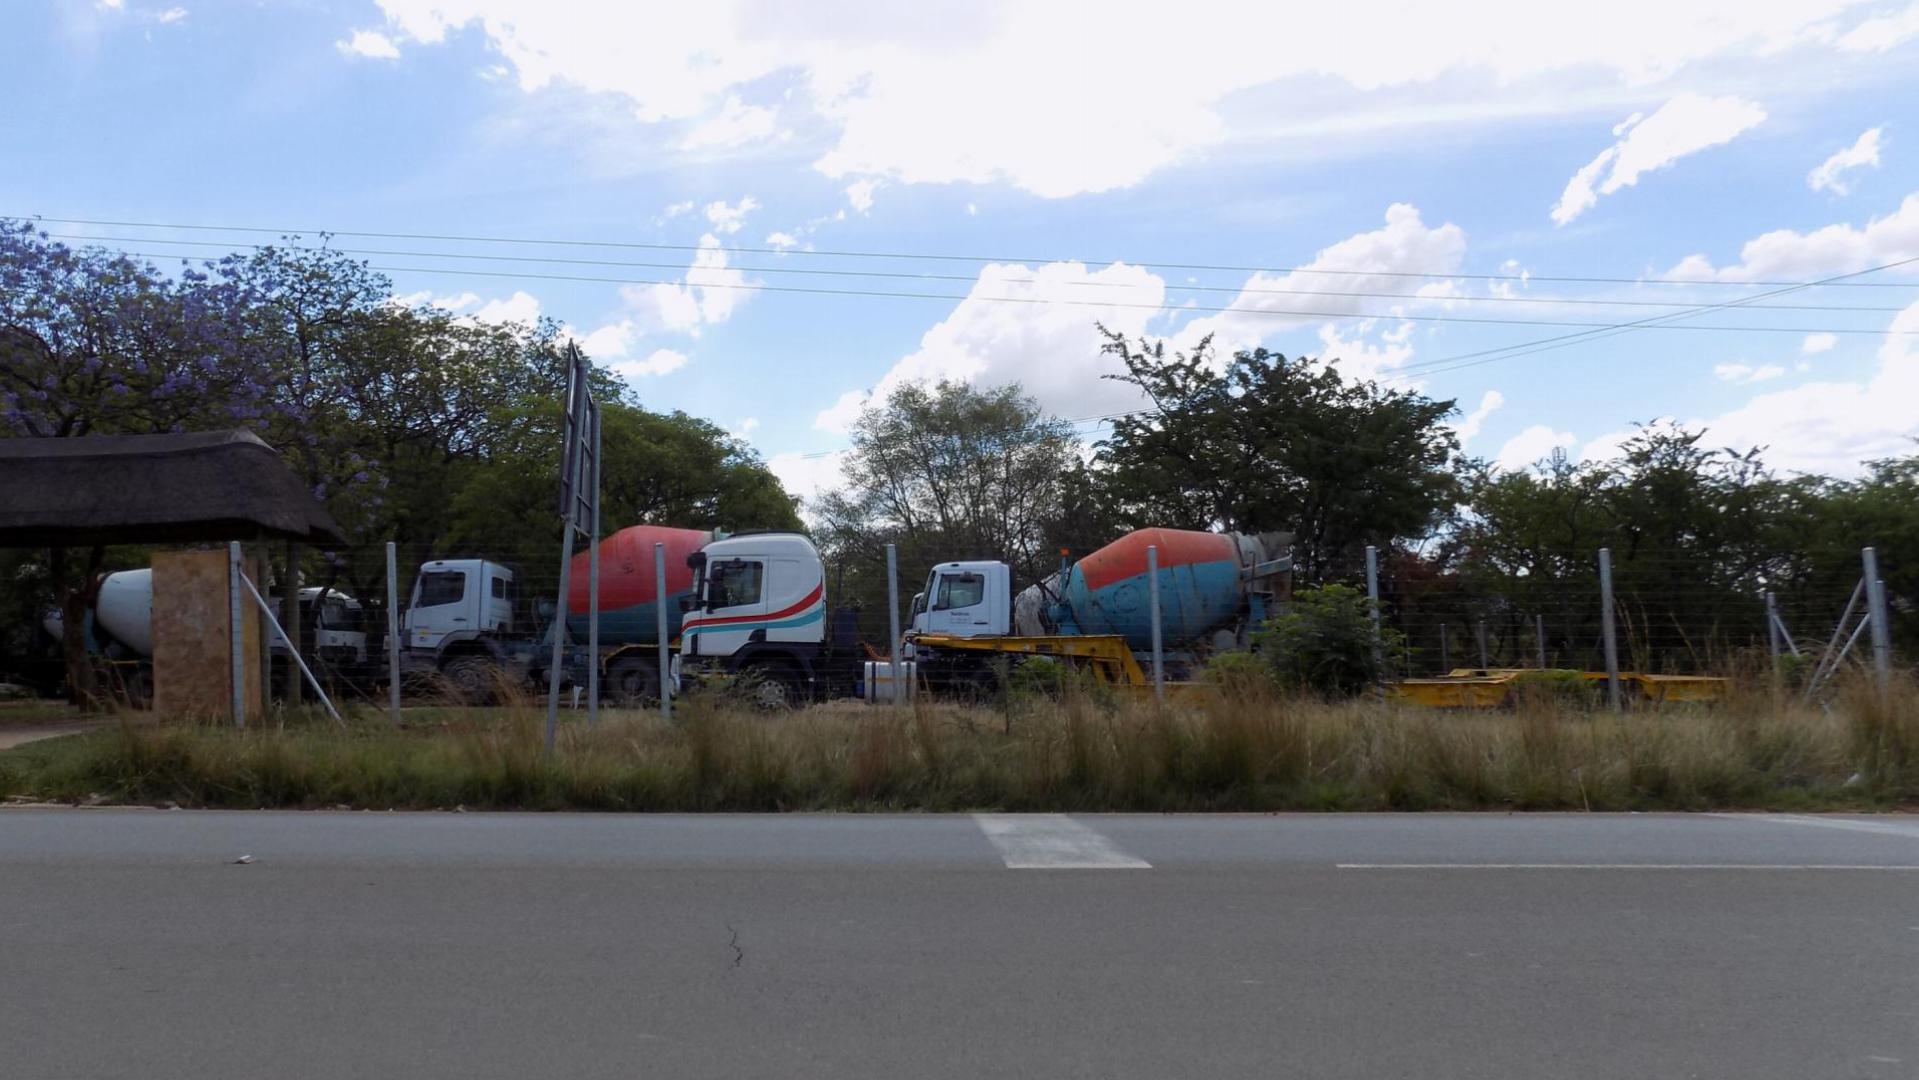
1214,751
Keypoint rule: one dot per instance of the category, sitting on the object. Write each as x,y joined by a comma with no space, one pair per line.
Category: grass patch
1223,747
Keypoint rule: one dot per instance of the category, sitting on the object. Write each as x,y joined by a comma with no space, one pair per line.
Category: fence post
1772,633
1152,592
557,628
1445,651
593,593
893,617
1372,594
1479,632
290,622
393,632
1539,636
1881,628
666,663
1607,630
236,634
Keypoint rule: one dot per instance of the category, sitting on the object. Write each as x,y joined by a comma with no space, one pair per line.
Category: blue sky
1450,161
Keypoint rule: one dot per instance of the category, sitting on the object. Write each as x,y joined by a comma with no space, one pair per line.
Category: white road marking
1904,827
1624,866
1053,842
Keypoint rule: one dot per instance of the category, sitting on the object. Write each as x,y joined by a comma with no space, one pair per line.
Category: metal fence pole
1152,593
1539,637
1479,632
1881,626
1772,634
290,622
893,617
273,624
558,629
393,632
666,663
1607,630
236,634
1372,594
593,592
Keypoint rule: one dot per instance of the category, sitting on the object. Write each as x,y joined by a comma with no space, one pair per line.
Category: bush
1325,642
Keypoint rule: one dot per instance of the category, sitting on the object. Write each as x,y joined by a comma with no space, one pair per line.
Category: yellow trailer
1486,688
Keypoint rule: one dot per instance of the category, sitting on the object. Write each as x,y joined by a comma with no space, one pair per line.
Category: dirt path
11,737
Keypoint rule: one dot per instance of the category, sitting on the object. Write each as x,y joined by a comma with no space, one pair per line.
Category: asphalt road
482,945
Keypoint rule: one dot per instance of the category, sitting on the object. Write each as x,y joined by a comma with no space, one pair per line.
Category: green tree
1260,443
948,471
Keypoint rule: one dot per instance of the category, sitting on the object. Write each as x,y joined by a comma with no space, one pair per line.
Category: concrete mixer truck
119,630
752,602
468,621
1095,614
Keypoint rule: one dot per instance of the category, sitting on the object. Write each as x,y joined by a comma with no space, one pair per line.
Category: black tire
772,687
632,682
475,678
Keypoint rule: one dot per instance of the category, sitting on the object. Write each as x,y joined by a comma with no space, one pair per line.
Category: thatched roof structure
154,489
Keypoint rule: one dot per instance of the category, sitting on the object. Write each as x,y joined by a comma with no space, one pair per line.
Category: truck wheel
475,678
633,683
772,687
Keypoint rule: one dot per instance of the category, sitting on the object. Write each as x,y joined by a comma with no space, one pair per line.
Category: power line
1487,356
1284,313
820,271
928,256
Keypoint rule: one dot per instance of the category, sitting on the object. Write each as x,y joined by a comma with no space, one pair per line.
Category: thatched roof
154,489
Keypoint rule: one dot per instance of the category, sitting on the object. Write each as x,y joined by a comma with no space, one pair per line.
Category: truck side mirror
688,603
545,608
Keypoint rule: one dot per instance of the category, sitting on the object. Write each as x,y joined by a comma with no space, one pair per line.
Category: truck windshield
960,590
441,587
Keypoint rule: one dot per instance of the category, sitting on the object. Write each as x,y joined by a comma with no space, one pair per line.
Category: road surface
508,945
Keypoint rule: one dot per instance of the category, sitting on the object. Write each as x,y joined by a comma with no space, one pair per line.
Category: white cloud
807,475
1830,175
1685,125
1268,303
728,219
1468,428
1818,343
658,362
1531,445
172,15
1795,256
1746,373
1034,327
1830,427
782,240
676,209
859,193
709,292
1880,34
951,90
734,124
521,307
371,44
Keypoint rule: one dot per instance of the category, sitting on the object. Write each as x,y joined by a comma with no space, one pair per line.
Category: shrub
1325,642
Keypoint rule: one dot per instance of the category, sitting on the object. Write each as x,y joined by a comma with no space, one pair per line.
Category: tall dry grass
1248,749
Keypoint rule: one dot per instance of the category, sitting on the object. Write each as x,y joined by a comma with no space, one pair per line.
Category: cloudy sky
763,212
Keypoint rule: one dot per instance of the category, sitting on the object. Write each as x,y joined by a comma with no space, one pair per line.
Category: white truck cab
966,599
458,600
757,589
336,631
